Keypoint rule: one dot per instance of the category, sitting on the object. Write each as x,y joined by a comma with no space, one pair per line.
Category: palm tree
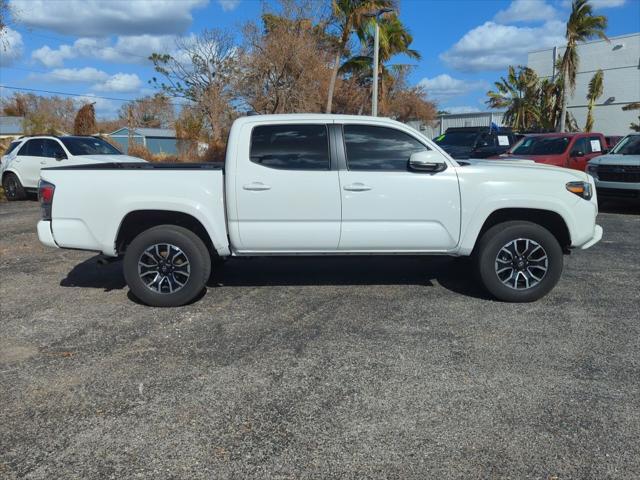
596,88
394,40
518,93
349,16
582,25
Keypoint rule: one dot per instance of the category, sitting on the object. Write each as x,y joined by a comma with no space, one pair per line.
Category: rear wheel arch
138,221
552,221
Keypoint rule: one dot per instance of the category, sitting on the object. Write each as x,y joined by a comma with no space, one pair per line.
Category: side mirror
577,153
427,161
59,156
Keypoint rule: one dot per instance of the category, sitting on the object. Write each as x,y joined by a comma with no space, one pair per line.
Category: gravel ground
363,367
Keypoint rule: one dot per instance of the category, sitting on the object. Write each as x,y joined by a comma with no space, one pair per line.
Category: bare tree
154,111
41,114
85,121
285,66
201,71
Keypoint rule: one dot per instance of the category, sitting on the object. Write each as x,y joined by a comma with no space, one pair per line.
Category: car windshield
89,146
459,139
628,146
541,146
12,147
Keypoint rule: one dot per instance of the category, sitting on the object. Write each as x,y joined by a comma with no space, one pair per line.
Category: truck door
29,160
386,206
579,154
287,194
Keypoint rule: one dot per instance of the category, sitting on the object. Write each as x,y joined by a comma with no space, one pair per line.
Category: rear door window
33,148
291,147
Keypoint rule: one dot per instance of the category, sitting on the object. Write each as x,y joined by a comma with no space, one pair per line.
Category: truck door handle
357,187
256,186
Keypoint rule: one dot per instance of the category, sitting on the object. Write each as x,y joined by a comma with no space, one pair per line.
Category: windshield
459,139
628,146
12,147
89,146
541,146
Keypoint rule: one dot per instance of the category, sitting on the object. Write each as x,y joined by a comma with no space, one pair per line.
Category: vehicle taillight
45,195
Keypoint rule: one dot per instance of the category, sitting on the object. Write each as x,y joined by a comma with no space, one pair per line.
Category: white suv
20,166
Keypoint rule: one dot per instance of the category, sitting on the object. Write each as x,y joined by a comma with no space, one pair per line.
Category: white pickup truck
312,184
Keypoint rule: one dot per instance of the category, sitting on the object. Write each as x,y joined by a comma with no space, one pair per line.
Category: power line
53,92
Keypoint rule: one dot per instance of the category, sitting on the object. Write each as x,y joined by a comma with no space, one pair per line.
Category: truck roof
321,117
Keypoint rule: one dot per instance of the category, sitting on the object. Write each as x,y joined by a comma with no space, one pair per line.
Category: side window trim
328,140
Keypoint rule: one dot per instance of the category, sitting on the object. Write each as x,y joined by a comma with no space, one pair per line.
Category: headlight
582,189
592,170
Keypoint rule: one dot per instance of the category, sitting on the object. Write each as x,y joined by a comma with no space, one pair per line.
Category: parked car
569,150
312,184
612,140
25,157
475,142
617,174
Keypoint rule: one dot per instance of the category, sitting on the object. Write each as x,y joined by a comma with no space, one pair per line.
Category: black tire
525,287
179,238
13,189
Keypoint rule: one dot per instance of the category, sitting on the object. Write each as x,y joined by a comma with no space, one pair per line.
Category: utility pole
376,57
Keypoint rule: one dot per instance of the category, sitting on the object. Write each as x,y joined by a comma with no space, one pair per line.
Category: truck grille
615,173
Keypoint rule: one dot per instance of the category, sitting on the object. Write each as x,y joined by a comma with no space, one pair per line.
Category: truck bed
92,201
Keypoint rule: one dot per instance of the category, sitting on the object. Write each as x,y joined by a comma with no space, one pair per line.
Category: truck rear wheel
167,266
519,261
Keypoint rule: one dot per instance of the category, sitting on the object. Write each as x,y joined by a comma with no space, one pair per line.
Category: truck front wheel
519,261
166,266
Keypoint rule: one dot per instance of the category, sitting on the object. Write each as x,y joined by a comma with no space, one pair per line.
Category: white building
474,119
619,59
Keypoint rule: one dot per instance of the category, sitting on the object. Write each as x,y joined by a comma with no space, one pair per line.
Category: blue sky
99,47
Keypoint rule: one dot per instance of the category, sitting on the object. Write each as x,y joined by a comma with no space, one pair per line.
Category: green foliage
582,25
595,90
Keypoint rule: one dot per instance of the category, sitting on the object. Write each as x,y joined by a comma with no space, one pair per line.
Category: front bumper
44,234
597,236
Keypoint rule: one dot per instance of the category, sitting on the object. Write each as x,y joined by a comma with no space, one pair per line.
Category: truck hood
107,158
609,159
524,166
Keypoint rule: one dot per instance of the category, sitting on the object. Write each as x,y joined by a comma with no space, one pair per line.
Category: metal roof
11,125
149,132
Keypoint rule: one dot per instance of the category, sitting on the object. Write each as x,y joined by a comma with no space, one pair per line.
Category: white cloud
228,5
126,49
52,58
102,18
526,11
443,87
494,47
11,46
73,75
120,82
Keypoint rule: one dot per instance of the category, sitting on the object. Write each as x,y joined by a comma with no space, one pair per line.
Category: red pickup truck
569,150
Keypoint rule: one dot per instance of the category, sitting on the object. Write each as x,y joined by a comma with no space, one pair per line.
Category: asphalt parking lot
364,367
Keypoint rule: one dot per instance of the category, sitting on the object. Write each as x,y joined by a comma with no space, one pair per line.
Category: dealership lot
360,367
